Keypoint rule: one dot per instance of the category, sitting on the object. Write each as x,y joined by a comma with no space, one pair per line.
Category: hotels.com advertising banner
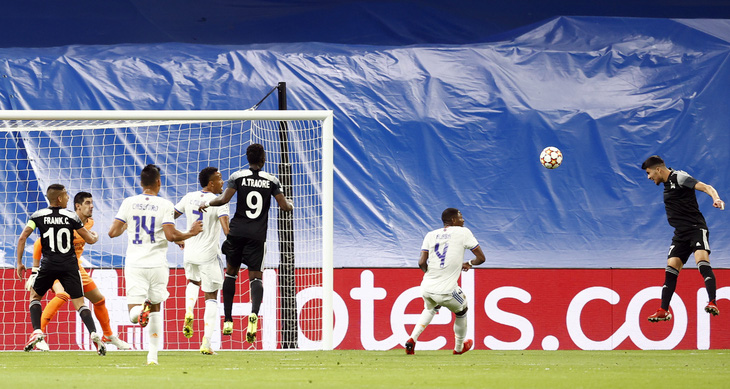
376,309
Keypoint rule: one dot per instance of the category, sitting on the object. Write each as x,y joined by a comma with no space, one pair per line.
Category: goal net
103,152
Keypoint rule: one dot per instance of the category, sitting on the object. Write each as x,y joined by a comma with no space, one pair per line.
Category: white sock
459,332
134,313
423,321
155,328
209,320
191,296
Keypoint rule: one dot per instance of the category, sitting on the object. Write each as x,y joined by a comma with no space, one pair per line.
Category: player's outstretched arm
223,198
284,203
716,201
172,234
117,228
19,267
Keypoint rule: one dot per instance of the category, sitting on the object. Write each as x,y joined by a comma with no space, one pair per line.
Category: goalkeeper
247,237
84,206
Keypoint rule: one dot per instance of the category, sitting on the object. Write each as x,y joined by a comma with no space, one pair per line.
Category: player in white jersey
442,259
150,223
202,253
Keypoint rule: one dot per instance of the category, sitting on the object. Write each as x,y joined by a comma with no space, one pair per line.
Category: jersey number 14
141,226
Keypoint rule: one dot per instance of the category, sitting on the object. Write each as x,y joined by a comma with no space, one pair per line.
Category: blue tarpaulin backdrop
425,127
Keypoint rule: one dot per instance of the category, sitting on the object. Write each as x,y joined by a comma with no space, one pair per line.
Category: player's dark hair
255,154
149,175
448,215
80,197
53,191
205,175
652,161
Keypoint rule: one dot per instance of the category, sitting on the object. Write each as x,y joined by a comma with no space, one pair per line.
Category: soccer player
246,239
690,231
56,226
201,255
84,205
442,255
150,224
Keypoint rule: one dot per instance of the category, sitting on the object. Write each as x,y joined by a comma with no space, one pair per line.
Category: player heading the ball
690,231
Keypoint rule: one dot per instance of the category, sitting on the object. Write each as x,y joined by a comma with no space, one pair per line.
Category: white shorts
454,301
209,274
146,284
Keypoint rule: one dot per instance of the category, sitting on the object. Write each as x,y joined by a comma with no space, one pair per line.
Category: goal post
102,152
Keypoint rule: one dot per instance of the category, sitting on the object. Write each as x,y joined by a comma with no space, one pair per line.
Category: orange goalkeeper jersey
79,243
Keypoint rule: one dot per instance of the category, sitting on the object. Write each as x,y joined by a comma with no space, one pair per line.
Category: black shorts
239,250
686,243
70,280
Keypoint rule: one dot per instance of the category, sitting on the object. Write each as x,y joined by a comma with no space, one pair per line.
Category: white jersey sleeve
146,243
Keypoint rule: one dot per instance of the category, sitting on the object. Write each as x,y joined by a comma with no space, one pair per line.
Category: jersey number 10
63,238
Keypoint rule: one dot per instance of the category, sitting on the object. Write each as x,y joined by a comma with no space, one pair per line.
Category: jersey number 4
441,255
141,226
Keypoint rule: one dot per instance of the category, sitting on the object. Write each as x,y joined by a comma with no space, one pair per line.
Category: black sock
35,314
257,294
710,284
670,284
229,290
85,314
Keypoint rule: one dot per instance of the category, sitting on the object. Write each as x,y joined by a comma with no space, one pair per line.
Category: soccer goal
102,152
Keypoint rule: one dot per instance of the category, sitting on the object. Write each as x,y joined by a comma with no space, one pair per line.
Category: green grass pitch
369,369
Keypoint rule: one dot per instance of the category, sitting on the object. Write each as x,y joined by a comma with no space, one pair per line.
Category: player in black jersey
56,226
690,230
246,239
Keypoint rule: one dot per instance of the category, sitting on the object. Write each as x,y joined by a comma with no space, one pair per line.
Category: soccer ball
551,157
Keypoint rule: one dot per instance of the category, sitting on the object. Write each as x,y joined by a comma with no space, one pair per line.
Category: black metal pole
287,269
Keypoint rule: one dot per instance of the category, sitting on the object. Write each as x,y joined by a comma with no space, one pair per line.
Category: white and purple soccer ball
551,157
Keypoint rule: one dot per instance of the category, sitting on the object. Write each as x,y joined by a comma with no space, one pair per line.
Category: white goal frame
327,196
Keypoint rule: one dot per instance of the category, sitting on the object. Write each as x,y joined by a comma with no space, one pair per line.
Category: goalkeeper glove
31,279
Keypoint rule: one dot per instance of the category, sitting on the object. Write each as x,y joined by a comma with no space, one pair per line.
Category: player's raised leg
671,273
429,311
51,309
229,291
102,315
192,290
703,265
257,295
